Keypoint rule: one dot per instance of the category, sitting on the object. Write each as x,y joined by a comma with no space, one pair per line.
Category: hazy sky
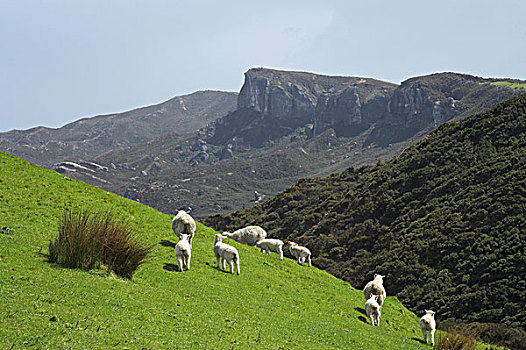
64,60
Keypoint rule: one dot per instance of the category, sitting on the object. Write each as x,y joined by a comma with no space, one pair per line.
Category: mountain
443,220
272,304
87,138
283,126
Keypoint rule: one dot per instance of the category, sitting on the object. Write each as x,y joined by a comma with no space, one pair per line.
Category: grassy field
272,305
509,84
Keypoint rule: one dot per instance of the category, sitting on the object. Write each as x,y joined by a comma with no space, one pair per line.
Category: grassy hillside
272,305
445,220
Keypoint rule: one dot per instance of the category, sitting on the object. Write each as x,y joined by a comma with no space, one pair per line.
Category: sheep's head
379,277
184,237
430,312
373,296
218,238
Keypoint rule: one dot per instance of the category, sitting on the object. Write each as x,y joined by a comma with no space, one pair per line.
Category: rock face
273,104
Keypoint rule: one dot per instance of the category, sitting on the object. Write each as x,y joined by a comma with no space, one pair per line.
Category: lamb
376,287
427,323
184,223
249,235
373,309
300,253
226,252
183,252
271,244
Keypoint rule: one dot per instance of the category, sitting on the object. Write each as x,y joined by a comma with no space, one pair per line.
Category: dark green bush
89,240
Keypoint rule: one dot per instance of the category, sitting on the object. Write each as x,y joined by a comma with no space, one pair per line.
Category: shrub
90,240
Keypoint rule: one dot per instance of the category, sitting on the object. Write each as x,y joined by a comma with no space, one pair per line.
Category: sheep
225,252
184,223
300,253
249,235
376,287
271,244
373,309
183,252
427,323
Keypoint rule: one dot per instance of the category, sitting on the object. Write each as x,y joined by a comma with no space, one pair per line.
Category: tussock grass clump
89,240
456,339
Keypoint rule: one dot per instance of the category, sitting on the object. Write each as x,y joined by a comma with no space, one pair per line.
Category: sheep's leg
231,265
371,317
280,251
378,320
268,251
432,337
424,332
180,263
310,262
217,259
223,263
188,261
237,267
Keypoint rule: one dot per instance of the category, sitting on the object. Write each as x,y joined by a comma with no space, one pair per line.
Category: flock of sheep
183,225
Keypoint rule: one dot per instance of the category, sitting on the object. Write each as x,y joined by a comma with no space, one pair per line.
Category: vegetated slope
87,138
444,220
272,304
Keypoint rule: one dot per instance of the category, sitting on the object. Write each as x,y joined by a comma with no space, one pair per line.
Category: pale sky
64,60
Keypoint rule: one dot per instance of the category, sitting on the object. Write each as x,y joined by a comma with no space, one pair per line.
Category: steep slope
86,138
444,220
272,304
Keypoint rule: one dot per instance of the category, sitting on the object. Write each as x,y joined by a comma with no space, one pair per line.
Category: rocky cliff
272,104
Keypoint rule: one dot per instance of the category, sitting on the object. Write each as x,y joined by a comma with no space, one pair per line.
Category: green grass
509,84
272,305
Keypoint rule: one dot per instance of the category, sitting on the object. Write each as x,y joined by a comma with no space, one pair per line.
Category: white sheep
226,252
376,287
183,252
300,253
271,245
184,223
373,309
427,323
249,235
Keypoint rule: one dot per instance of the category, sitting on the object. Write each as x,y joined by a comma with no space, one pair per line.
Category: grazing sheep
184,223
300,253
183,252
376,287
373,309
249,235
427,323
225,252
271,244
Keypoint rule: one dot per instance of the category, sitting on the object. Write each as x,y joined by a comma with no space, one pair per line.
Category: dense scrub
444,220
